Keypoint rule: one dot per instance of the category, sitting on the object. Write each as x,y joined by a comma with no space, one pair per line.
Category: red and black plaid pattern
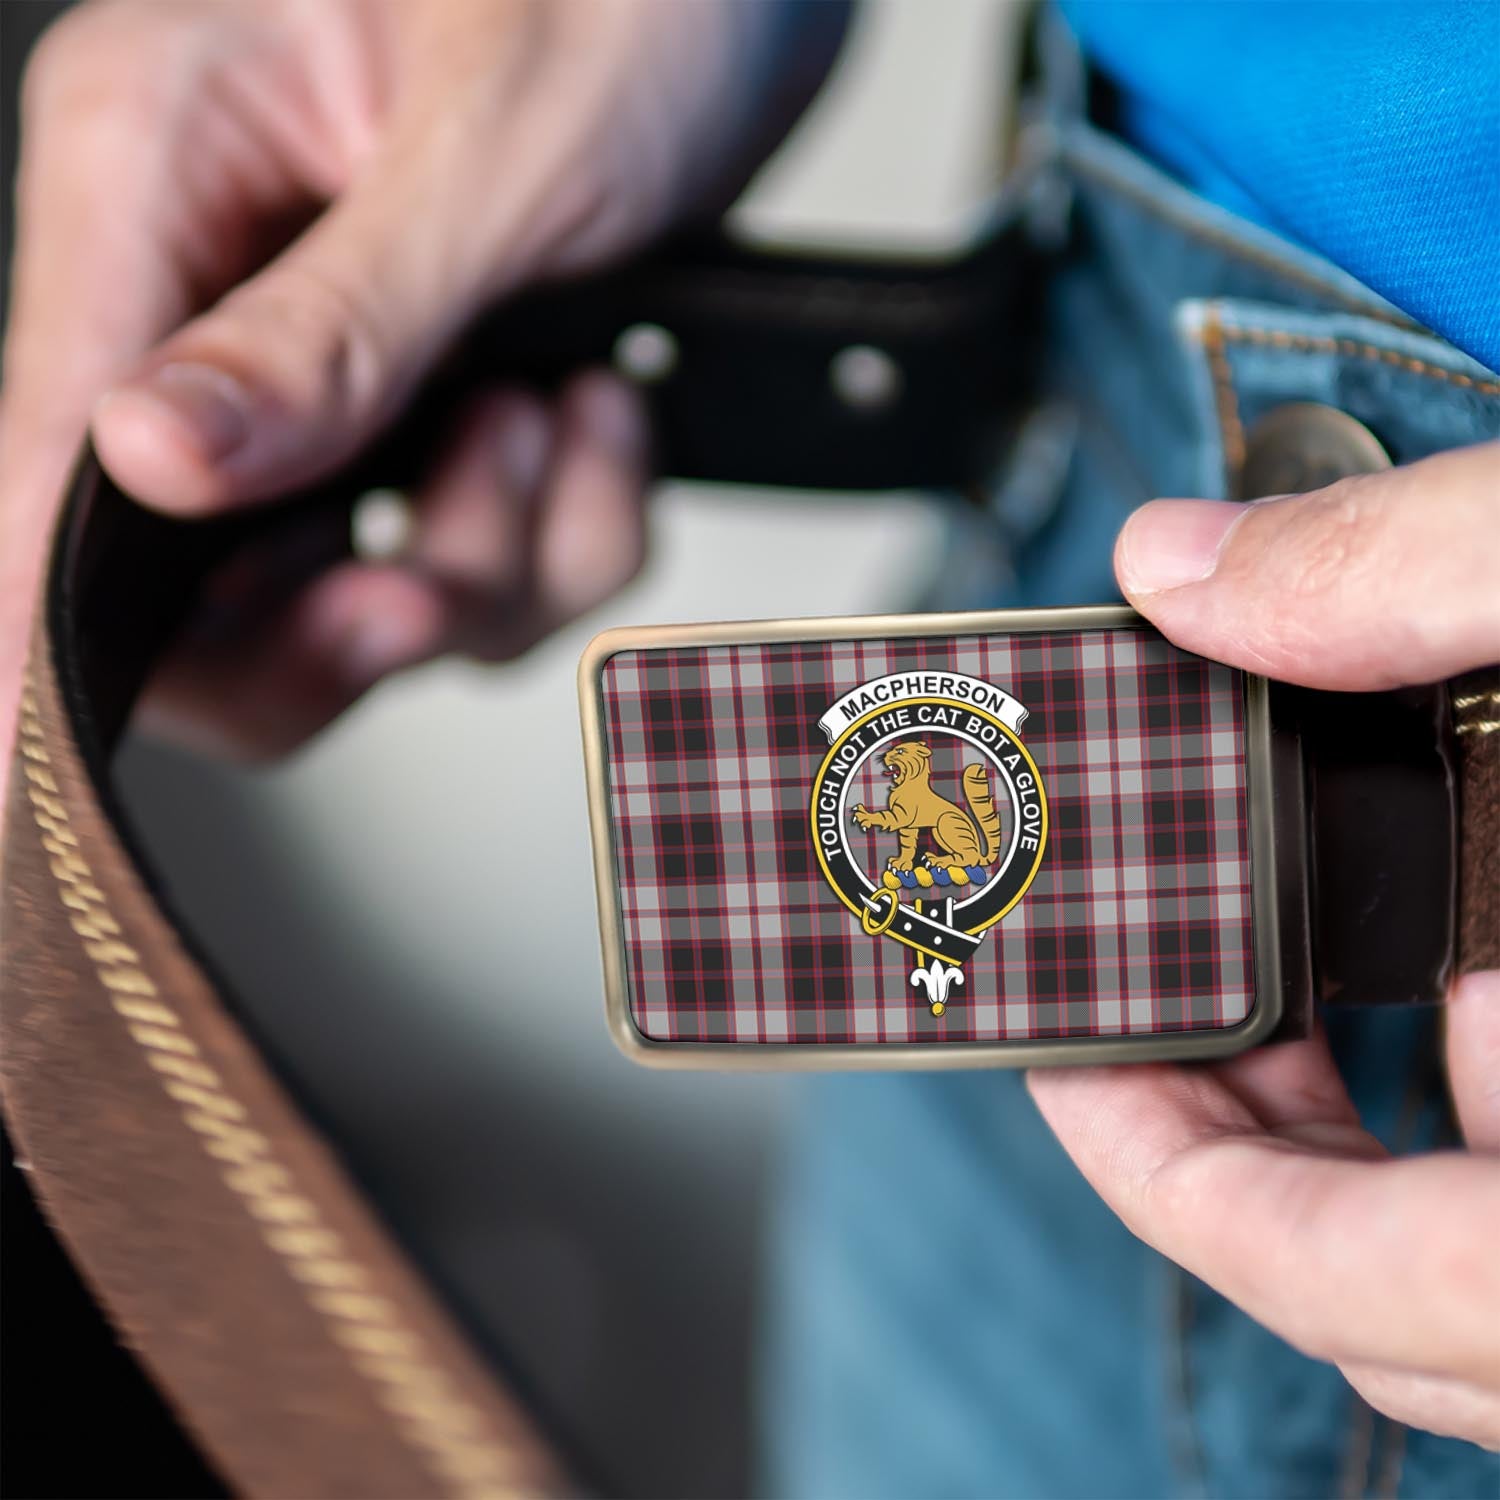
1138,921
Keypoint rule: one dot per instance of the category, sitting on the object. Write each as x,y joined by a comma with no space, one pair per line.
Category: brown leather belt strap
229,1245
1476,728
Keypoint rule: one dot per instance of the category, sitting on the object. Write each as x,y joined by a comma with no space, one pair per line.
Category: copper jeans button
1304,446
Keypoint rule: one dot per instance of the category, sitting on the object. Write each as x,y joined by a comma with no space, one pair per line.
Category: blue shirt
1367,131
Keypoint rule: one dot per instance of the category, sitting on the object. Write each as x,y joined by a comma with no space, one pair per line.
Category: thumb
293,370
1378,581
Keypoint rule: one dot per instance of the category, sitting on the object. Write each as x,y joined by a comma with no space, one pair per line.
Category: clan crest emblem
962,827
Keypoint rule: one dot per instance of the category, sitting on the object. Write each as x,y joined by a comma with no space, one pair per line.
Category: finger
1296,1090
1375,582
283,380
257,673
476,513
1451,1408
591,533
1472,1019
1382,1261
481,576
582,536
70,328
271,690
294,370
203,177
113,114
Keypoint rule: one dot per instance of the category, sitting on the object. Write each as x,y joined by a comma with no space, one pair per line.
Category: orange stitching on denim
1213,334
1226,400
1277,338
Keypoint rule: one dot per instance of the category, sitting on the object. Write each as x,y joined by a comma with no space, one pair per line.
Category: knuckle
1305,562
1463,1274
1330,543
60,50
86,60
329,340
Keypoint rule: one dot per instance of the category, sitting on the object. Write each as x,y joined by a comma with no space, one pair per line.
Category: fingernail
521,447
1170,543
376,646
211,406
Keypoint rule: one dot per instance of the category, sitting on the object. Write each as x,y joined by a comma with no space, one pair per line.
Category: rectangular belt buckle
1004,838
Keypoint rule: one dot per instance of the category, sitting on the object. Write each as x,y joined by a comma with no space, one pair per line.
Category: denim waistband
1172,326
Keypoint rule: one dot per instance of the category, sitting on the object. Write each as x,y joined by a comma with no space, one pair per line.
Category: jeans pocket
1416,394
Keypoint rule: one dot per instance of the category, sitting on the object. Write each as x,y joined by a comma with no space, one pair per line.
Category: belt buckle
1004,838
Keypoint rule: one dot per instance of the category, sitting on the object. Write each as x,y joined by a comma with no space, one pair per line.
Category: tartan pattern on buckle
1138,921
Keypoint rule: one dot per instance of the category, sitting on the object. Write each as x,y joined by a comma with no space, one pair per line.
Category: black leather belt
210,1216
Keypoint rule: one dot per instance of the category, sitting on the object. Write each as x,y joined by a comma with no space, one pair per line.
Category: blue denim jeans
950,1309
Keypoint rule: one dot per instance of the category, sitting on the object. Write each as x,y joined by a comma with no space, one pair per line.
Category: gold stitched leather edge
447,1432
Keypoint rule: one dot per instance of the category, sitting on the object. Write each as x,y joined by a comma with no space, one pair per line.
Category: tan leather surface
1476,725
223,1238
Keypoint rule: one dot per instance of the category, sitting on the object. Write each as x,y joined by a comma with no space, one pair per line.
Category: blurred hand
342,185
1255,1174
